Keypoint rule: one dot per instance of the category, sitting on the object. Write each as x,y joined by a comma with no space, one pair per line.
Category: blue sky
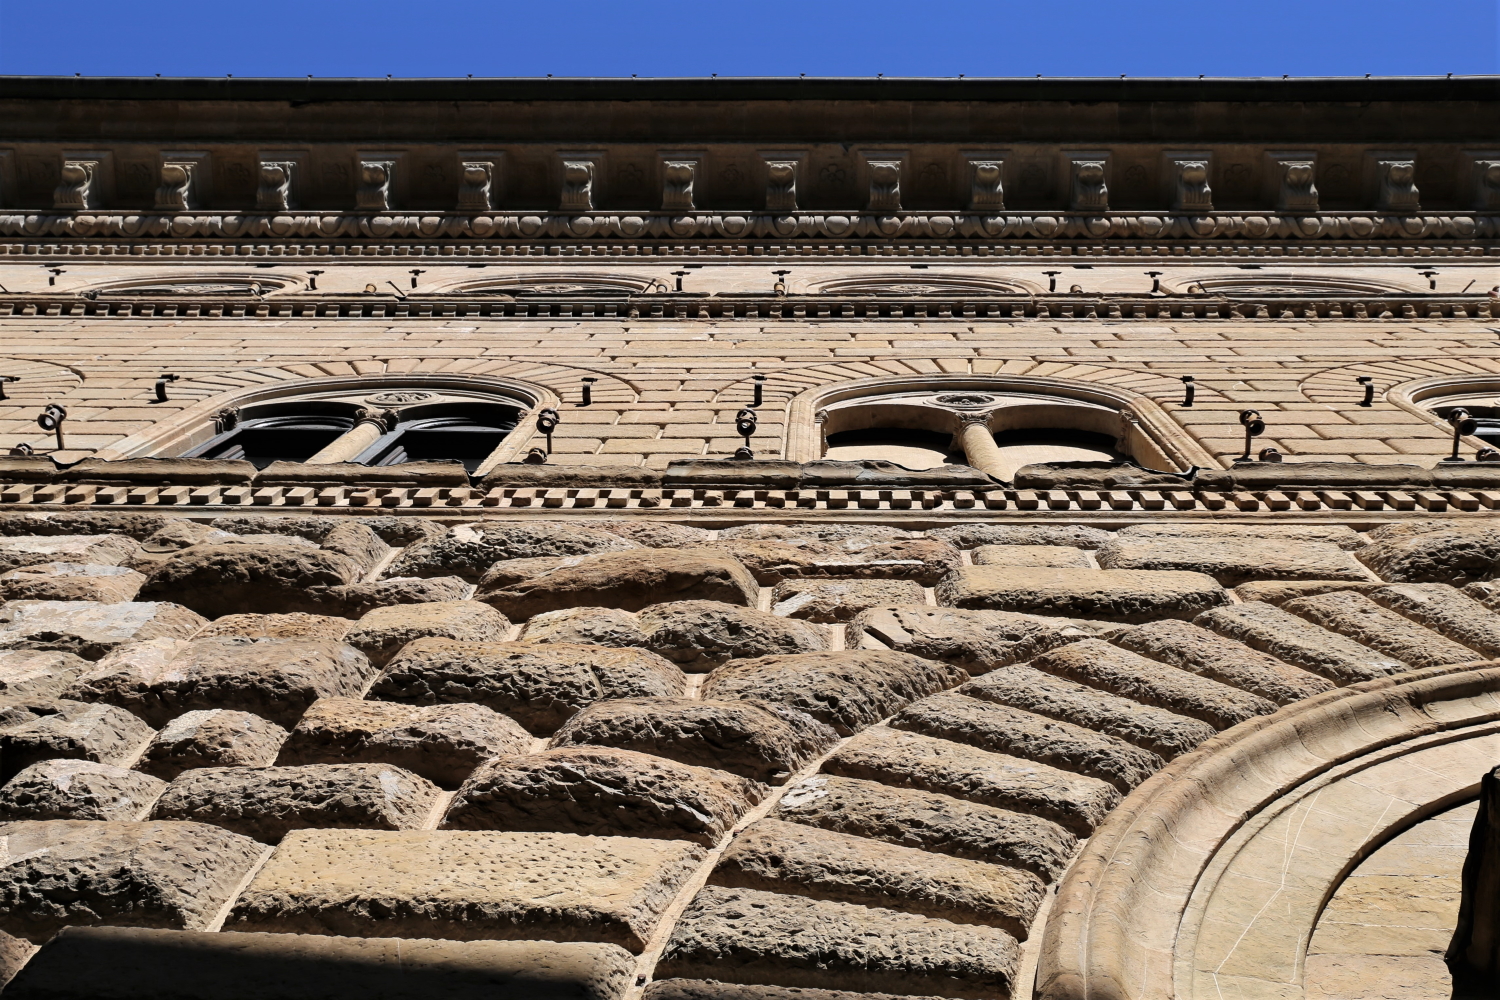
427,38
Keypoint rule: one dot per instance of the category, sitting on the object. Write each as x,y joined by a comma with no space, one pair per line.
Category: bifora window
294,437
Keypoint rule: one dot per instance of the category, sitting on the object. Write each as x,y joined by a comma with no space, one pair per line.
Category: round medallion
398,397
966,399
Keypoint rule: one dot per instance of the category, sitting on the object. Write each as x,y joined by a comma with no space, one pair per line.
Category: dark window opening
467,439
275,439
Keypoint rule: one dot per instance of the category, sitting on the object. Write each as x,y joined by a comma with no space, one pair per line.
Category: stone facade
754,540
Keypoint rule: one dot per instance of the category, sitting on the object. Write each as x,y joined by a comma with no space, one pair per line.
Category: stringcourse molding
1208,880
717,225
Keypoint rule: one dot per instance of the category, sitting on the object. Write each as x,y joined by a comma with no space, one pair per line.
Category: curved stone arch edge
1410,396
173,434
1118,928
1149,420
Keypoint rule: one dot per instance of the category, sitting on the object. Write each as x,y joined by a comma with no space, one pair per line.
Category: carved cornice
87,224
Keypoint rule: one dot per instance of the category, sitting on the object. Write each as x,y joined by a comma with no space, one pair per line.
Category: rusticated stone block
91,550
974,640
970,536
700,635
1298,641
66,581
596,626
381,633
101,733
112,963
911,760
466,885
930,822
629,581
218,580
1290,535
847,690
540,685
654,534
442,743
78,789
268,802
710,989
1156,729
82,873
91,630
1098,664
358,599
1278,592
924,561
391,529
293,626
1369,624
763,742
1454,552
276,679
135,524
357,542
839,601
1196,649
792,858
817,532
1120,595
37,676
507,572
1060,556
1001,729
1233,560
1445,610
748,935
468,550
211,737
598,790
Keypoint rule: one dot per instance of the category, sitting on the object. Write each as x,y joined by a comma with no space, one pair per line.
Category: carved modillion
275,191
1089,193
476,182
578,186
175,193
1398,186
1190,190
1487,185
885,186
1296,192
374,194
677,185
986,192
781,185
77,188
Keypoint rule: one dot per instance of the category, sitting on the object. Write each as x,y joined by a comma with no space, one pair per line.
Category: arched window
294,437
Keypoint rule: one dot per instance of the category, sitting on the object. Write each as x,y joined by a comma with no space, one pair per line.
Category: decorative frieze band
377,225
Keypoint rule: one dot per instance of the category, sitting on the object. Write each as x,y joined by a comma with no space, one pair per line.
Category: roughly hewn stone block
838,601
911,760
1278,592
1445,610
136,524
64,873
110,963
37,676
1298,641
792,858
1000,729
293,626
655,534
1121,595
710,989
600,790
218,580
974,640
817,532
969,536
1369,624
276,679
1232,560
358,599
211,737
1196,649
700,635
466,885
90,550
848,690
1099,664
922,560
748,935
355,541
101,733
1156,729
540,685
1060,556
595,626
629,581
930,822
1454,552
442,743
1292,535
391,529
66,581
763,742
77,789
91,630
268,802
382,633
468,550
